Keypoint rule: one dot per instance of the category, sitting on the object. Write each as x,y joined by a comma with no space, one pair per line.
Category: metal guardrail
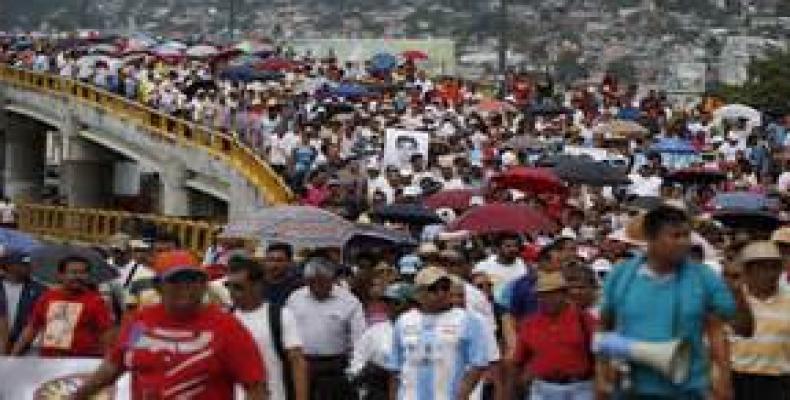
96,226
178,131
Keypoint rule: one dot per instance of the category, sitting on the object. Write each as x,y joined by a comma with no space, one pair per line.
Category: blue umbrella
629,113
383,62
673,146
350,90
743,201
247,74
19,241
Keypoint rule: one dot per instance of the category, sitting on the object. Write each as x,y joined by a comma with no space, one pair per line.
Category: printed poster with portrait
401,145
33,378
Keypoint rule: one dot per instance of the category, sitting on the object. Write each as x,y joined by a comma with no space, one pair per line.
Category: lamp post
231,19
503,44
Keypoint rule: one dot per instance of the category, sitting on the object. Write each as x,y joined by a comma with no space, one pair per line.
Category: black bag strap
276,327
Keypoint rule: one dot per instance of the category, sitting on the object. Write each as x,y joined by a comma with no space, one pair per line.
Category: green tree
767,87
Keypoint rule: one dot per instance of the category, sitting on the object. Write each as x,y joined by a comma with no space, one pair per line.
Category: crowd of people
668,228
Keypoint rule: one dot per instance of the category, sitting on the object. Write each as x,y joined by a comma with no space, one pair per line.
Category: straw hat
550,282
781,235
762,250
430,275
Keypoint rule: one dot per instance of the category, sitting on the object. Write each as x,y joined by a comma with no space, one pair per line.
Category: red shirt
555,347
71,325
200,358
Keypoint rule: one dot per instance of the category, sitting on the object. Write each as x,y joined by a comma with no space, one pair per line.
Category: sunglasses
234,287
484,285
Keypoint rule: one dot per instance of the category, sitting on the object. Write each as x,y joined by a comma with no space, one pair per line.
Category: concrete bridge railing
178,132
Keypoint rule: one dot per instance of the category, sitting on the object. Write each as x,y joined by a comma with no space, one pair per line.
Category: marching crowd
559,308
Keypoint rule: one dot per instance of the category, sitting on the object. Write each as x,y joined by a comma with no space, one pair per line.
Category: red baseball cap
169,263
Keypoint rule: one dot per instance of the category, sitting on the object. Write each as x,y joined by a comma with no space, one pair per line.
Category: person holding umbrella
73,319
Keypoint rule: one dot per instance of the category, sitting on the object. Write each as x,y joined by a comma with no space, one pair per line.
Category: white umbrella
174,45
737,111
202,50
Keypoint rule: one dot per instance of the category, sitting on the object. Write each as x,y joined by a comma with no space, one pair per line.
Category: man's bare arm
106,375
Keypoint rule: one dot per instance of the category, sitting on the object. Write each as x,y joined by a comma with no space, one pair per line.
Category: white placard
401,144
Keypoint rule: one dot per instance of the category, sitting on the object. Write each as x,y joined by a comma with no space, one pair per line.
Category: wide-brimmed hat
763,250
430,275
781,235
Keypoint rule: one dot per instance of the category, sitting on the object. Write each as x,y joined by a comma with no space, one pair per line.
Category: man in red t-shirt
182,348
553,345
73,319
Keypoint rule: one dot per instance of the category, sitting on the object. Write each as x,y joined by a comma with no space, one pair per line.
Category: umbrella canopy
248,74
202,51
414,55
457,199
547,109
529,179
733,112
44,262
253,47
696,176
493,106
350,90
173,44
499,217
276,64
407,213
587,171
375,234
743,201
383,62
11,239
673,146
299,226
205,85
622,128
748,220
164,51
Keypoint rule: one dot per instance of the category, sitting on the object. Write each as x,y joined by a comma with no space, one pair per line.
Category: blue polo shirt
646,307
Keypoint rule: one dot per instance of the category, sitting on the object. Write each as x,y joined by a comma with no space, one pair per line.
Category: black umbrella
549,109
645,203
45,260
748,219
408,213
589,172
369,235
701,176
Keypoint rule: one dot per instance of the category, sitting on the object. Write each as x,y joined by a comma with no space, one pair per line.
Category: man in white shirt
331,320
279,342
506,264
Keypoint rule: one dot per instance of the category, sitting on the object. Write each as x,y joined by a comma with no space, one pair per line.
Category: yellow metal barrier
226,147
96,226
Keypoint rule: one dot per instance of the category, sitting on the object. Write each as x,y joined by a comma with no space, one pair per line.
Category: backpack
276,329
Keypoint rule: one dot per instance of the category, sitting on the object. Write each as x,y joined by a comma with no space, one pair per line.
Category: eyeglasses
484,285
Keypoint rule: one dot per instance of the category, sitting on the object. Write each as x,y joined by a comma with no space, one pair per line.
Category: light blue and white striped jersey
432,352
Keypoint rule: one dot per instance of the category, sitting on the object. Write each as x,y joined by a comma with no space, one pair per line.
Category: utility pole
231,19
503,44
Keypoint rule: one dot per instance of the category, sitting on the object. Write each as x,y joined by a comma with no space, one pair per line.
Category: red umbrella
488,106
457,199
276,64
414,55
503,217
530,179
